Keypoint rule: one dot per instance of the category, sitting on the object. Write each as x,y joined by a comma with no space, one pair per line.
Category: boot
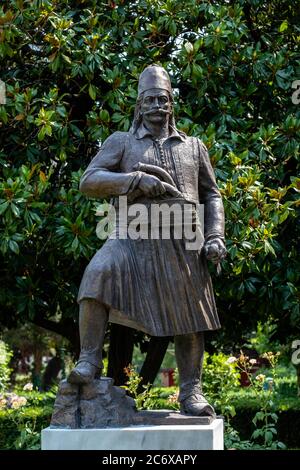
189,351
93,317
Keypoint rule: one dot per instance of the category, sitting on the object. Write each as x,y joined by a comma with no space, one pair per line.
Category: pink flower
14,401
18,402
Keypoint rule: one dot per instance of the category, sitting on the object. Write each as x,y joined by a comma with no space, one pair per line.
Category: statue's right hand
151,185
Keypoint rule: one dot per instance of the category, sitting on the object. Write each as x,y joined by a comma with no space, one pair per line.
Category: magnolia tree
70,72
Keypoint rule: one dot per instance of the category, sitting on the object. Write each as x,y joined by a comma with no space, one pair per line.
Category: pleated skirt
156,286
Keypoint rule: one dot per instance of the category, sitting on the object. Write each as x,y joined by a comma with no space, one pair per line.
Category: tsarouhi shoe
84,373
196,405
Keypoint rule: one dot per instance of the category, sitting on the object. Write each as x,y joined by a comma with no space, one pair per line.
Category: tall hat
154,76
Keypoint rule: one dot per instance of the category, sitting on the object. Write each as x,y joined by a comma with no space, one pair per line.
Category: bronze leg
93,318
189,351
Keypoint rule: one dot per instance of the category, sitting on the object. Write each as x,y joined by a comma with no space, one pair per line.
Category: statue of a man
154,285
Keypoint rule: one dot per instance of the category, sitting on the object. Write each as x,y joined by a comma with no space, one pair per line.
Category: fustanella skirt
153,285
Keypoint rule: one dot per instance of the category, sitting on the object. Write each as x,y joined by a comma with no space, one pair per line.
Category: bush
22,416
220,376
21,429
5,371
287,425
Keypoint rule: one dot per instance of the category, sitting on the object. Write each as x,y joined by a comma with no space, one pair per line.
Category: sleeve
209,195
103,178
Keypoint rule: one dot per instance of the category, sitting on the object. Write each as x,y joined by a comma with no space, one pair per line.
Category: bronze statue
154,285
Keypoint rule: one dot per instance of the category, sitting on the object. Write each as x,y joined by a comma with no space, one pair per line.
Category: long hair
137,118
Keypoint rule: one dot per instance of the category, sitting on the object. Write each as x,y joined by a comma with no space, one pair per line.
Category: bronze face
156,106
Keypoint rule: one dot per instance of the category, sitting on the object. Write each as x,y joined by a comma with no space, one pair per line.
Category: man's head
155,101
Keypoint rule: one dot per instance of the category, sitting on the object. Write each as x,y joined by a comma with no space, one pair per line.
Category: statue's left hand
215,250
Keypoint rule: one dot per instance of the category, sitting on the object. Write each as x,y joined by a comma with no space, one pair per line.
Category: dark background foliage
71,70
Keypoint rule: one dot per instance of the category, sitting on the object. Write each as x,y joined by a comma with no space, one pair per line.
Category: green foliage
261,340
20,430
5,371
220,376
145,399
265,420
71,71
244,431
22,416
29,437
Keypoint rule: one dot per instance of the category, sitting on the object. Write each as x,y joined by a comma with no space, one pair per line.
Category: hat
154,76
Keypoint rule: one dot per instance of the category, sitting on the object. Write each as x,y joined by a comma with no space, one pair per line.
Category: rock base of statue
101,404
101,416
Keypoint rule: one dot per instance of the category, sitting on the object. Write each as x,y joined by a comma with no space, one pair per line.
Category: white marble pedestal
170,437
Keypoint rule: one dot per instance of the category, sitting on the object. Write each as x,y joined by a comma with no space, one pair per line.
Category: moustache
156,111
